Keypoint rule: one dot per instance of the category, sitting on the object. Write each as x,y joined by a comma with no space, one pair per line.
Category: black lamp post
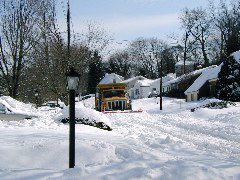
72,86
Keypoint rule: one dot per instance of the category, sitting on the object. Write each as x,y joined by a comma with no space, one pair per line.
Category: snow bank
174,143
82,112
17,106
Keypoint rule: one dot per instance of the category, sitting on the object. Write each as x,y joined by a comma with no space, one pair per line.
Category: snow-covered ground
172,144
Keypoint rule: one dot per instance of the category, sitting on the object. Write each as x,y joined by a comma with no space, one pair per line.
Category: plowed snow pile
171,144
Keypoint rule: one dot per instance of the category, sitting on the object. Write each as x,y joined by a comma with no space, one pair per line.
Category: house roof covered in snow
133,79
111,78
181,63
208,74
144,82
165,79
236,56
185,76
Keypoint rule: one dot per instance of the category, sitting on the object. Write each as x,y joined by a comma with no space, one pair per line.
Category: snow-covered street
173,144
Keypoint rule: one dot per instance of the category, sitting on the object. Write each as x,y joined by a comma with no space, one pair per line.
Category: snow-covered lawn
172,144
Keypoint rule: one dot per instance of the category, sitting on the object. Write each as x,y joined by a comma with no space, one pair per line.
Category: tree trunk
185,53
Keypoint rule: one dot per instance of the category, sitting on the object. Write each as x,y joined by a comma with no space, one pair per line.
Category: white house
155,85
204,85
131,81
141,89
111,78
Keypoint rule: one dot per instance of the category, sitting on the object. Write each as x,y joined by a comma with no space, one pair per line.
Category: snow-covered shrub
220,105
86,116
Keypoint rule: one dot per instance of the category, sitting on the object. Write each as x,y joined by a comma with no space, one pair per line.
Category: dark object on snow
216,105
153,94
84,121
52,105
220,105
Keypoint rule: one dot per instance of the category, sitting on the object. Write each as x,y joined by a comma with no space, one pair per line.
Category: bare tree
198,25
227,27
95,37
19,34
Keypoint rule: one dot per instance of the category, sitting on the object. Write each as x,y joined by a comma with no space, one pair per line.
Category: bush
220,105
84,121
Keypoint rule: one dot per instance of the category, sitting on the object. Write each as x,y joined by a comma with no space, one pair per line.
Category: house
141,89
204,85
131,81
155,85
179,67
176,87
111,78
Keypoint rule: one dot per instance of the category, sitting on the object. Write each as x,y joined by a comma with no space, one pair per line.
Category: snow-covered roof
144,82
111,78
165,79
236,56
133,79
181,63
208,74
182,77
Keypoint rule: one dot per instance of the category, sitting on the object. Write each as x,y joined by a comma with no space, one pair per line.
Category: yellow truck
112,97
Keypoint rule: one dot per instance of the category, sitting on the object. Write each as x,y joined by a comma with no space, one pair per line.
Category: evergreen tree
233,41
95,72
228,86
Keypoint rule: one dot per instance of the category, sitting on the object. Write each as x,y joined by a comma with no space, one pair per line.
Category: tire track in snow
153,126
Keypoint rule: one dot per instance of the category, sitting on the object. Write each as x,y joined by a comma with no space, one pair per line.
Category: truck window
113,93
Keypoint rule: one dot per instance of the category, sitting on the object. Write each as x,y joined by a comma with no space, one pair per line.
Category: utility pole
185,53
161,74
68,31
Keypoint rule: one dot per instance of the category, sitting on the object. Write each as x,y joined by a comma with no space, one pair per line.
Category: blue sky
129,19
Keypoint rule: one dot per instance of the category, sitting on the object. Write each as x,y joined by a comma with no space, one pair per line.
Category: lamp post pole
71,128
72,86
161,74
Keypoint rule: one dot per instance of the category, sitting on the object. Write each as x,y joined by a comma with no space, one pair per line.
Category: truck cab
112,97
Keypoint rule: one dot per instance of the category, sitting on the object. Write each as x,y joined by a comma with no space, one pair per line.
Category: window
192,97
114,93
137,91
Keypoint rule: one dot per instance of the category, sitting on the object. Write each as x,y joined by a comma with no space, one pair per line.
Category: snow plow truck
112,97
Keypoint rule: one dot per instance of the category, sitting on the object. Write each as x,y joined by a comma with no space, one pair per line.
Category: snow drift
18,107
85,116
